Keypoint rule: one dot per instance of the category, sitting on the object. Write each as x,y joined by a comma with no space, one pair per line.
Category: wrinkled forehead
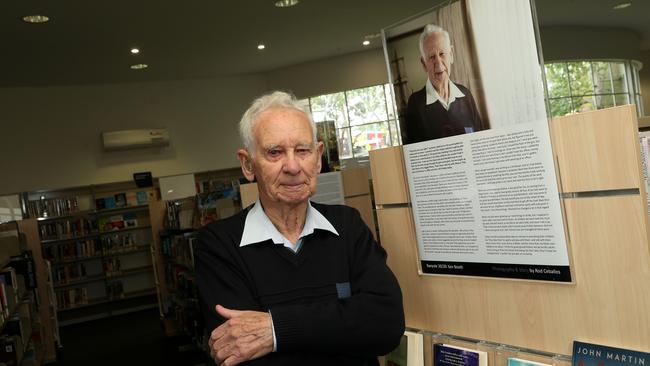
281,125
436,41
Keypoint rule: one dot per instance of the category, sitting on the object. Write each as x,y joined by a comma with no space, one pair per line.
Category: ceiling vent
135,139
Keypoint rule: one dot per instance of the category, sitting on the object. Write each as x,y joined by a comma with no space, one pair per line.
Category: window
364,119
10,209
579,86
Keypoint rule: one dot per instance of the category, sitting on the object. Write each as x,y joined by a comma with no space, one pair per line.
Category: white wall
50,136
331,75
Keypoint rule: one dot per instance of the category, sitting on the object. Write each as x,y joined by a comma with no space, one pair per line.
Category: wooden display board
609,302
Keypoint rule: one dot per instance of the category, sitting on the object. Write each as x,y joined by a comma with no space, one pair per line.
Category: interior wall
51,135
332,75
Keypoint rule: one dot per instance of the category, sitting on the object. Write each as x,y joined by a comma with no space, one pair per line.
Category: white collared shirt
433,96
258,227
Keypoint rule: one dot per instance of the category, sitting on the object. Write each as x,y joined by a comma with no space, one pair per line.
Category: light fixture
35,19
135,51
261,46
285,3
139,66
622,6
366,42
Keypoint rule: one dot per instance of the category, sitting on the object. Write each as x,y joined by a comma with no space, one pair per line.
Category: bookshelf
25,330
176,224
97,240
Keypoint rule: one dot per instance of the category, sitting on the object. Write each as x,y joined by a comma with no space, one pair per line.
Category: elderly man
441,108
287,281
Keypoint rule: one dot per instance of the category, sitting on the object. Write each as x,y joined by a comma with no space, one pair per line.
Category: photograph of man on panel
441,108
287,281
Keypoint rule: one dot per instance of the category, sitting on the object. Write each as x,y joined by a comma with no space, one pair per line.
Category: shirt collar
258,227
433,96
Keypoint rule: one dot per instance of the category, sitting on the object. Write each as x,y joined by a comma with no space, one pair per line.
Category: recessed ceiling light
285,3
139,66
366,42
261,46
35,18
622,6
135,50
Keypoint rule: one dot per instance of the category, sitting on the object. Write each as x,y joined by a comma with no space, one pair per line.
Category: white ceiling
88,42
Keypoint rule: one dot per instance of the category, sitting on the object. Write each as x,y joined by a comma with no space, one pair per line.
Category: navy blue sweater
334,302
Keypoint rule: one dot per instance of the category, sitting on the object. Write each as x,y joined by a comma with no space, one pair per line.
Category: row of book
68,273
52,207
118,243
71,297
120,200
69,228
179,248
410,352
118,222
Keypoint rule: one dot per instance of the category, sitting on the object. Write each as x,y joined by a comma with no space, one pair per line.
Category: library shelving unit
603,197
98,242
175,224
25,329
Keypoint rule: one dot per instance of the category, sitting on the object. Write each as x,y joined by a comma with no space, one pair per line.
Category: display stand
599,167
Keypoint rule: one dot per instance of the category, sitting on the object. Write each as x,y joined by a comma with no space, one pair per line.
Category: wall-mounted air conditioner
133,139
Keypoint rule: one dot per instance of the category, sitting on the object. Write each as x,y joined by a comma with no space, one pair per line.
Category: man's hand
246,335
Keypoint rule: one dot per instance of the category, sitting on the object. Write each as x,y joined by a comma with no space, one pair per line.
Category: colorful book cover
131,199
448,355
142,197
109,202
588,354
120,200
512,361
130,219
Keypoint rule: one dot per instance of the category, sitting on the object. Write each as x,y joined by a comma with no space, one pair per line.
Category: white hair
430,29
276,99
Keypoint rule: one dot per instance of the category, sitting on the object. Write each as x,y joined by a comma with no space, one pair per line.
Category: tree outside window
579,86
364,118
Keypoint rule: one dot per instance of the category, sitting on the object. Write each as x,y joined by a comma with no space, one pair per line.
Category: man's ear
246,163
424,64
320,147
451,54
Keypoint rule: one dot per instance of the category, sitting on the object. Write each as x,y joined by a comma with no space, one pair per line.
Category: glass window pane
621,99
557,80
604,101
602,77
330,107
580,78
389,101
345,145
583,104
561,107
366,105
369,137
618,77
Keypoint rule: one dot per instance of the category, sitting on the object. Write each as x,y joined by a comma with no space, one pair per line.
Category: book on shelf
131,199
100,204
142,197
109,202
120,200
514,361
589,354
449,355
410,351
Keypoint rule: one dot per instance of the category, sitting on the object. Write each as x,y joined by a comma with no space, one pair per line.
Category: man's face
438,59
286,160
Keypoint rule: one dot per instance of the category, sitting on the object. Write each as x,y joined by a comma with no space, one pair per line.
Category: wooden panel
29,227
598,150
248,193
609,302
355,181
388,176
364,205
157,213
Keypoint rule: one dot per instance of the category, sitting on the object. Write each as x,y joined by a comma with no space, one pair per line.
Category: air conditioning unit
133,139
